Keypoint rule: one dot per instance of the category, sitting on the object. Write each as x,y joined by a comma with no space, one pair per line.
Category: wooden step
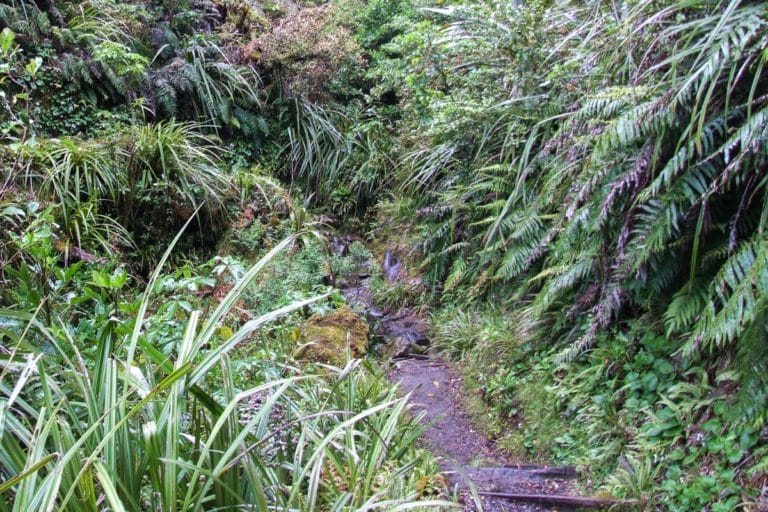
557,499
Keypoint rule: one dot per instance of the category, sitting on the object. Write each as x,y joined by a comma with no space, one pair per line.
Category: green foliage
300,275
354,263
104,54
648,426
341,157
460,332
591,168
205,85
595,171
377,22
169,167
120,59
591,220
95,411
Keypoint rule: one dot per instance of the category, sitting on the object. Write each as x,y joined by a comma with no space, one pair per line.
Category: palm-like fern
632,197
203,84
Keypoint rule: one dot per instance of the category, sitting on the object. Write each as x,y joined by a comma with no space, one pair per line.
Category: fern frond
738,295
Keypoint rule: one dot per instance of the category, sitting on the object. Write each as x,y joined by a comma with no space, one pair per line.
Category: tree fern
203,85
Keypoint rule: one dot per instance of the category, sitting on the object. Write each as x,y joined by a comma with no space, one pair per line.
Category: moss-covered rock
328,336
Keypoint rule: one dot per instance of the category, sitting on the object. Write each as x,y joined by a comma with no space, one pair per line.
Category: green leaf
715,444
100,279
734,454
34,468
747,440
663,367
650,382
33,65
12,211
713,426
6,40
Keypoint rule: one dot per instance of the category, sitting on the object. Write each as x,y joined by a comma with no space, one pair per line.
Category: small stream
398,334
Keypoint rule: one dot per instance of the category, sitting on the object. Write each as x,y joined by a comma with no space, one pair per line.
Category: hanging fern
629,199
738,295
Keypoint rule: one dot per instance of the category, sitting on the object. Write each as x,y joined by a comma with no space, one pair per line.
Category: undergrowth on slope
633,419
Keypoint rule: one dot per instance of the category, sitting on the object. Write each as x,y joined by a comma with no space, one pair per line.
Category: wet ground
469,459
474,467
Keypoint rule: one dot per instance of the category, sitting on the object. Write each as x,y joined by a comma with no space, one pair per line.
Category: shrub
306,50
128,427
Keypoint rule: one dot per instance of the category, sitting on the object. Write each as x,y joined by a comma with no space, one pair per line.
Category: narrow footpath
473,465
481,477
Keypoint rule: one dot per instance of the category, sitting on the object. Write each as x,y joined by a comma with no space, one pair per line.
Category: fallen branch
531,470
554,472
405,357
556,499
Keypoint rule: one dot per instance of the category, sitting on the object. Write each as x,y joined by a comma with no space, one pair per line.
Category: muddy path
471,461
473,465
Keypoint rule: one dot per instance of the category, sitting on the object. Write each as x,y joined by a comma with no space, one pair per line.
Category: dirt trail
472,463
466,454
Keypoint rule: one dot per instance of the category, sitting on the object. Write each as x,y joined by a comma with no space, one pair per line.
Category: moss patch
328,336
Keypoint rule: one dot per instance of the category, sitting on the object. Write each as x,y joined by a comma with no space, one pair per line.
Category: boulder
328,336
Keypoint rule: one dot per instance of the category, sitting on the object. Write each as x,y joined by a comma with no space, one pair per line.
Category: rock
328,336
410,329
377,313
407,344
401,347
417,338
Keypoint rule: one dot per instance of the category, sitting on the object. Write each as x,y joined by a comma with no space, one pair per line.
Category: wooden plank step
557,499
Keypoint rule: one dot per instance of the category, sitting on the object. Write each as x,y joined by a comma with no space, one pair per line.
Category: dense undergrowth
187,392
597,173
580,187
155,277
